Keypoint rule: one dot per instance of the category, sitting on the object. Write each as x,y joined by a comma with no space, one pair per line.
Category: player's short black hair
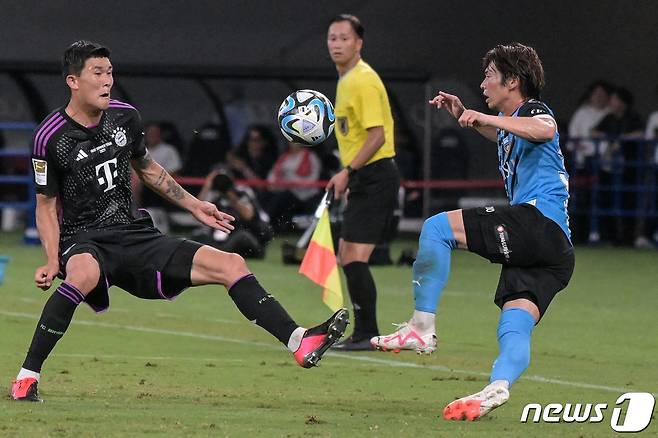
78,53
353,20
521,61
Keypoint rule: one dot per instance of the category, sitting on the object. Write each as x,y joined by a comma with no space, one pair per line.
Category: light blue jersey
534,173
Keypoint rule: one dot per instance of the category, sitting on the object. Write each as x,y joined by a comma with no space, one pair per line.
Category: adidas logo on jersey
81,155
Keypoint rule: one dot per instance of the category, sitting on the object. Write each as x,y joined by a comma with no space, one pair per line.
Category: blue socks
432,265
514,330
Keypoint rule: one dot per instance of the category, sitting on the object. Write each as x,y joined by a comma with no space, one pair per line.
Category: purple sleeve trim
44,143
45,129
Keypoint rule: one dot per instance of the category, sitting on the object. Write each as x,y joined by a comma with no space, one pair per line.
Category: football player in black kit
82,154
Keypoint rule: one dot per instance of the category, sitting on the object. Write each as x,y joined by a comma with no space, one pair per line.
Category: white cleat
479,404
405,338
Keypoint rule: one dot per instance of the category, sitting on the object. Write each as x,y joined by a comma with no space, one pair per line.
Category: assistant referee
370,178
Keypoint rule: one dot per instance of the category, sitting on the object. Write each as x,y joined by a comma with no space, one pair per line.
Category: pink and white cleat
405,338
479,404
25,390
317,340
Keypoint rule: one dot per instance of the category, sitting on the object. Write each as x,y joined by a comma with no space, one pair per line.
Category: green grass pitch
195,367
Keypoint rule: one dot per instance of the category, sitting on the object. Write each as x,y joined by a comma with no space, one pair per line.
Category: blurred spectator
579,153
651,135
162,152
622,164
593,107
167,156
207,149
255,155
237,112
651,131
622,120
170,135
297,164
252,230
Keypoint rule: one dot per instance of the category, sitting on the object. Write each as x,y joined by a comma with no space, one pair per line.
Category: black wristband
350,169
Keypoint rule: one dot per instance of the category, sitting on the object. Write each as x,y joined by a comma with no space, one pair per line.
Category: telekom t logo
106,172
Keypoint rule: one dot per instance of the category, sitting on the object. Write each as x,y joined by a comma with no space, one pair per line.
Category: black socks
55,319
262,308
251,299
363,294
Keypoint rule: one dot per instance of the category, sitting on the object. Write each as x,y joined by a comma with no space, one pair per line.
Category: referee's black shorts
369,216
135,257
537,257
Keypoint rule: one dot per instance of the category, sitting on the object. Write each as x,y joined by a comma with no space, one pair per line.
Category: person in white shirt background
592,109
169,158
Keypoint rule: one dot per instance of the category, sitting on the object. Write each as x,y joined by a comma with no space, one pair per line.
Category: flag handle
324,203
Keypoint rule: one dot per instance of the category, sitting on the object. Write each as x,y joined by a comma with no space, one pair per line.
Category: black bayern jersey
88,168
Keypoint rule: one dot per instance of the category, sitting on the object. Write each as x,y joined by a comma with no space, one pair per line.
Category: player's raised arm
48,226
466,118
537,129
156,178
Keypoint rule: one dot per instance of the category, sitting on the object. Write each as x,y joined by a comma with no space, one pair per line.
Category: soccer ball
306,117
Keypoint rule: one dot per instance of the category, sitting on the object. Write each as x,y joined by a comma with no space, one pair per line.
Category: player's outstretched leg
514,332
430,274
263,309
211,266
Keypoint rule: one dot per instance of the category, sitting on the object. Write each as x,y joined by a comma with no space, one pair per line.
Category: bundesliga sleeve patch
40,171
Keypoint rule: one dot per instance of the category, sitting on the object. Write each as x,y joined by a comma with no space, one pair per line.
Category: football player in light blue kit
530,238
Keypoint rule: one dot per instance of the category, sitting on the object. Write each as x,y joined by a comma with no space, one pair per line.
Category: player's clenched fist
44,276
472,119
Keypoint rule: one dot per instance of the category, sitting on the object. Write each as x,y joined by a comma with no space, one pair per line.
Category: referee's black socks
262,308
55,319
363,294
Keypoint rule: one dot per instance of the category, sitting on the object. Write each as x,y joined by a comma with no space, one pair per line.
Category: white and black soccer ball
306,117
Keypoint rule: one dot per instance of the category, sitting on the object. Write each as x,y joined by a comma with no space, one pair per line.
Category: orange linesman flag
320,263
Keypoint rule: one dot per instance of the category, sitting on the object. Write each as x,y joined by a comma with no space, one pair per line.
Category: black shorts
135,257
536,255
372,203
